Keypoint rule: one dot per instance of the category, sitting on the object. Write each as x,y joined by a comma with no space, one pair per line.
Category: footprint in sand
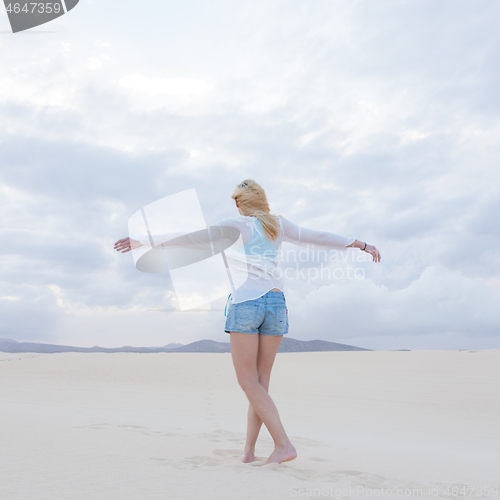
130,428
320,459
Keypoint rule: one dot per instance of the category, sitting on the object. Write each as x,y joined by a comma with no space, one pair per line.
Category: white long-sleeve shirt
262,256
254,265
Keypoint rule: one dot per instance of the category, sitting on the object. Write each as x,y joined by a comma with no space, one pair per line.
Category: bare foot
249,457
282,454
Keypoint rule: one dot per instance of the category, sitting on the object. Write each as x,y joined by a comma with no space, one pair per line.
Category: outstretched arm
303,236
300,236
139,240
198,239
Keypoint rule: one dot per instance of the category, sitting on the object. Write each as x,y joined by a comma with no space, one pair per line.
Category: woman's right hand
373,251
127,244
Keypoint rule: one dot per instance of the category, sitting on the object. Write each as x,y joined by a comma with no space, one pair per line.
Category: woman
257,317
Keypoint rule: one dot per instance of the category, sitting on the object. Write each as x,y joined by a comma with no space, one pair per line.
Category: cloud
439,302
374,120
164,92
94,63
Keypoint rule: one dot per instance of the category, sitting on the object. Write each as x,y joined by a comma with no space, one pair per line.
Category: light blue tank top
259,244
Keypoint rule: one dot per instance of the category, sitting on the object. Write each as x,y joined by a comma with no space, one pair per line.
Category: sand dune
418,424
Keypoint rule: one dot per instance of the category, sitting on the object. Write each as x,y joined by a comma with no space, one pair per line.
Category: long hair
252,201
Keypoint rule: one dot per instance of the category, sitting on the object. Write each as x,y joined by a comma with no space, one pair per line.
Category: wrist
358,244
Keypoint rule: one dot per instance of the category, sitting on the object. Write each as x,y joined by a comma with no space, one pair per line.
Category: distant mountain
206,345
293,345
173,345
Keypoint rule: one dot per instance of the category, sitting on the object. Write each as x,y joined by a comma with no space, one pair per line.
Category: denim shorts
267,315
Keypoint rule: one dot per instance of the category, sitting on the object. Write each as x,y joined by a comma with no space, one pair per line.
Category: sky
374,120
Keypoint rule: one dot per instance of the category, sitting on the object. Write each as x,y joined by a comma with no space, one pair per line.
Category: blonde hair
252,201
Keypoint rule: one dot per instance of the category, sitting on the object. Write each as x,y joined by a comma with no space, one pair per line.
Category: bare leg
268,347
244,351
254,423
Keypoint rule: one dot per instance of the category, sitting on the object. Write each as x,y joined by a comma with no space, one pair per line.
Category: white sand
172,426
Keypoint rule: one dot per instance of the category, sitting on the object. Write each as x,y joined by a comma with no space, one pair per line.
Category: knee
264,381
248,383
